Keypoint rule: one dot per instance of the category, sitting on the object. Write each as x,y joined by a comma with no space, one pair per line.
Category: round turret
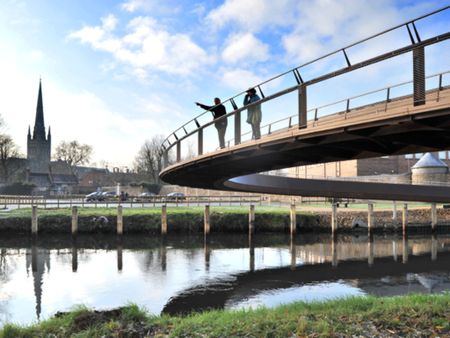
429,169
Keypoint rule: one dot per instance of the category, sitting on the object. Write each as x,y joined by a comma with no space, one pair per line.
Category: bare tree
73,153
8,157
149,158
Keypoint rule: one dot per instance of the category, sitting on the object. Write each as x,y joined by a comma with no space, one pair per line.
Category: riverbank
222,219
412,315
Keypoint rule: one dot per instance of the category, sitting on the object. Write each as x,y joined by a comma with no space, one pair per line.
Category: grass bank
413,315
148,220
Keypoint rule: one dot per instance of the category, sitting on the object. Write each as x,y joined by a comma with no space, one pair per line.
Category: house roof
429,161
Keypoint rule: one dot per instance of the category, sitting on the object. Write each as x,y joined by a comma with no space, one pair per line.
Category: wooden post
74,256
74,220
405,249
34,220
434,247
370,251
334,224
394,212
206,219
251,219
433,217
293,250
164,220
405,217
334,256
119,220
370,217
119,256
293,215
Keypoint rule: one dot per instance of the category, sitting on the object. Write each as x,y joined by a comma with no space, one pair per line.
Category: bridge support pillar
404,218
293,218
34,220
206,221
433,217
251,219
334,224
119,220
370,220
164,220
74,221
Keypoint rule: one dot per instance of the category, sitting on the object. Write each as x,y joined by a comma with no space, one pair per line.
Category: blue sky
115,73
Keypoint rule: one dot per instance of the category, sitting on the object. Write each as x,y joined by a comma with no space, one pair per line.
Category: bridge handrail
298,76
316,109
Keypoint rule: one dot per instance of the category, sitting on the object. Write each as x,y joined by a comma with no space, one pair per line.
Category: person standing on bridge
253,112
217,110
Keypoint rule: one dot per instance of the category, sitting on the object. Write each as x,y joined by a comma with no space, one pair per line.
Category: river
180,274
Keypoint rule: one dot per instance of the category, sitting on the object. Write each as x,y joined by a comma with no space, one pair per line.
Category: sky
116,73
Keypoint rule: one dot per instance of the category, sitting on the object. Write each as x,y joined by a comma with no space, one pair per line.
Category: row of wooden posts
251,219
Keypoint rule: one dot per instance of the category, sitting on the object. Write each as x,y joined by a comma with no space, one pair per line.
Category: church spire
39,127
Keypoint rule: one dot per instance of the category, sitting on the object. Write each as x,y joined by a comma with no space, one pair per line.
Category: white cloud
146,46
325,25
245,48
253,15
134,5
240,79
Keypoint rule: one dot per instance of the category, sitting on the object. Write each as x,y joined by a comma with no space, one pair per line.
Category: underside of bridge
234,168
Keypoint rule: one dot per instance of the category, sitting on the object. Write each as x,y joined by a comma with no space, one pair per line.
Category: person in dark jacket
217,110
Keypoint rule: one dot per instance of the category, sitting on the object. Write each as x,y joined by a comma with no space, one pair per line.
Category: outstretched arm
203,106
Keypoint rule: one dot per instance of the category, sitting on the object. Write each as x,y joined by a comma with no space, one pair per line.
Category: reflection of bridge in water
410,263
313,258
409,123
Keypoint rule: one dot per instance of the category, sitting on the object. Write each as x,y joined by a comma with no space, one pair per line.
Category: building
388,165
52,178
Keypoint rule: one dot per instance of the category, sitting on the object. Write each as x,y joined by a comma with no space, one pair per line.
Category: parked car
94,196
145,196
176,196
109,195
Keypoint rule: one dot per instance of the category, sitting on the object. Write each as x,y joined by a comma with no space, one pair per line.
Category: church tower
38,146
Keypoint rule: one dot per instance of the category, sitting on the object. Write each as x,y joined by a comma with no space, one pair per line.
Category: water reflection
181,274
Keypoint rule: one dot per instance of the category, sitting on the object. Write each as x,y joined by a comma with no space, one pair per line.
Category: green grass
90,211
413,315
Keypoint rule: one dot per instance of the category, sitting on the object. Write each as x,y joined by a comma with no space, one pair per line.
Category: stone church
49,177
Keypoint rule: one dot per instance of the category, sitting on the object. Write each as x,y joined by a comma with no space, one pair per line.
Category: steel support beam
419,76
302,107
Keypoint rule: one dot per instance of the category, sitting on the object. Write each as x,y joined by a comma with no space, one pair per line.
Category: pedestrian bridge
416,119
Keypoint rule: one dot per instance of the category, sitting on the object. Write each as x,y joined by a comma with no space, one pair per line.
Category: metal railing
195,127
157,200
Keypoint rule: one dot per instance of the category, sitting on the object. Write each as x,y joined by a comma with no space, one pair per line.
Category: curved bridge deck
409,124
